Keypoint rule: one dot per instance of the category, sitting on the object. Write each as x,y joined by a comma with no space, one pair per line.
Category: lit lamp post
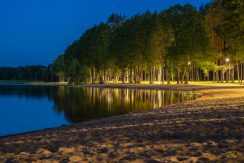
228,61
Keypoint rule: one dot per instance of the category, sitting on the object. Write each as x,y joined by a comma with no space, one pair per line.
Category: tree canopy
179,44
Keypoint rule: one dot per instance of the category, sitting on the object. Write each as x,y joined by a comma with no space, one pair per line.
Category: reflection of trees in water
82,104
28,91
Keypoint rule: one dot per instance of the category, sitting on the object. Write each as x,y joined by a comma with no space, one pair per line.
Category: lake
26,108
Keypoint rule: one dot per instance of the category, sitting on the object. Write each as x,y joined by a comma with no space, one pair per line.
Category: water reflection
82,104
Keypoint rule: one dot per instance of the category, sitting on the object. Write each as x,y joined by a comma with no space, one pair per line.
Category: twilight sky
37,31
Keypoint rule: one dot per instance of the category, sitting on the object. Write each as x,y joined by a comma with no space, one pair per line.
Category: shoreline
192,86
176,87
167,128
203,92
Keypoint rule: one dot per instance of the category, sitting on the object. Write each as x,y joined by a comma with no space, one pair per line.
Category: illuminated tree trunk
187,76
93,75
191,74
134,75
101,80
241,67
222,73
241,73
191,78
151,76
227,76
162,75
183,76
104,76
159,76
130,75
167,76
138,75
172,74
233,74
217,76
123,75
238,71
216,73
178,76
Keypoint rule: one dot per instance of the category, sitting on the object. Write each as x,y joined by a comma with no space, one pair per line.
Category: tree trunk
197,75
167,76
208,76
151,77
187,77
222,73
227,76
238,71
101,80
172,74
138,75
123,76
222,76
130,75
93,75
162,75
241,75
183,76
217,76
105,77
178,76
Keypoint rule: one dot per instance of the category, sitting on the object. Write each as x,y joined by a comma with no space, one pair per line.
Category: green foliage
209,66
232,27
58,68
191,41
77,73
31,73
170,39
116,20
146,43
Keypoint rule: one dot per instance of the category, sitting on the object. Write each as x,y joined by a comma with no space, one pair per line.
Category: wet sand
208,129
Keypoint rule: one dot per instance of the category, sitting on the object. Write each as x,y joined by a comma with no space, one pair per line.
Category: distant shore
177,87
35,83
208,129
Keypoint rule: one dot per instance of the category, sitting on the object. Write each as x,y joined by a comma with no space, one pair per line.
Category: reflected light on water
136,97
65,105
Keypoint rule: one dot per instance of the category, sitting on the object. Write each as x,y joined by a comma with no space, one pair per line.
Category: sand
177,87
210,129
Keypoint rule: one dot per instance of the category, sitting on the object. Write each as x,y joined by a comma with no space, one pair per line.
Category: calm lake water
26,108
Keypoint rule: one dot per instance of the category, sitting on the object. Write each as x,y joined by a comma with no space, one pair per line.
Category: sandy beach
209,129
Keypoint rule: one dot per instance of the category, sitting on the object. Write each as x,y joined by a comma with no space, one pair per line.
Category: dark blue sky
37,31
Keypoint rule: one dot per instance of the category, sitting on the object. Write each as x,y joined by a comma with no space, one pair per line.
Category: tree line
28,73
179,44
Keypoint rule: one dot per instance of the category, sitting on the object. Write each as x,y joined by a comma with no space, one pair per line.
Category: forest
179,44
27,73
